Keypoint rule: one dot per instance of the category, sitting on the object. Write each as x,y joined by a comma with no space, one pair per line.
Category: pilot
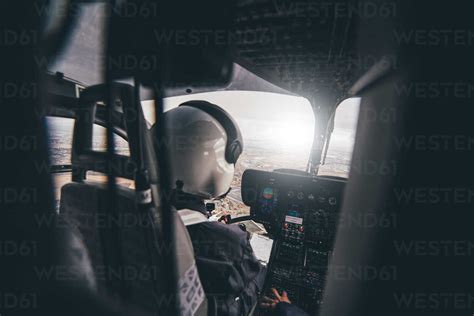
204,143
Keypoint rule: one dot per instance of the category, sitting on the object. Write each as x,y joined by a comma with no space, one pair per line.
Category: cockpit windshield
277,130
278,133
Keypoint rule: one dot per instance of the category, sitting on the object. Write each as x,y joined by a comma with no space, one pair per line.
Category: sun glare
284,123
292,135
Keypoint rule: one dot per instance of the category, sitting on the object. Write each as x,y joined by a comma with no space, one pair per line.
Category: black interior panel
301,213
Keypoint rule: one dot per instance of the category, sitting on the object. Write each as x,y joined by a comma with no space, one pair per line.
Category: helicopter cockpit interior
355,182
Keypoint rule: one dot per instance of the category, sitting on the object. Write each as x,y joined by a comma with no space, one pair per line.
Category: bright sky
274,118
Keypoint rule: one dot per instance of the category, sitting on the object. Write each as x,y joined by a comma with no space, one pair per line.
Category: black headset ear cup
233,151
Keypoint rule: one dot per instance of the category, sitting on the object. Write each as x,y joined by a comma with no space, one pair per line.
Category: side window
99,141
341,145
60,143
60,131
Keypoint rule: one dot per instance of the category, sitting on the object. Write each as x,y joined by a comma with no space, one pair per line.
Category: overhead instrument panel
300,213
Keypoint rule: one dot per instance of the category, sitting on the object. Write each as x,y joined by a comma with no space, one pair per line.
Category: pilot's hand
268,302
225,219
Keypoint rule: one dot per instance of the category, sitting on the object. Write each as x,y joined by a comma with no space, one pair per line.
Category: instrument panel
300,213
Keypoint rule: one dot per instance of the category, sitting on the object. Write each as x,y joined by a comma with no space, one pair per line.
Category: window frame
64,168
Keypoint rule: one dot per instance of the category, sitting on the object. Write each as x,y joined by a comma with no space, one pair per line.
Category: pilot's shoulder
232,233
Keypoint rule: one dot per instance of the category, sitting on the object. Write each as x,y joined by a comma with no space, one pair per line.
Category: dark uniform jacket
230,273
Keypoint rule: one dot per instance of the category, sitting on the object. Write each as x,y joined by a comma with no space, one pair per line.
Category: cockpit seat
122,240
119,258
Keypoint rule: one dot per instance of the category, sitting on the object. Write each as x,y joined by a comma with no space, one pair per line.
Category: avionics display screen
267,203
293,215
268,193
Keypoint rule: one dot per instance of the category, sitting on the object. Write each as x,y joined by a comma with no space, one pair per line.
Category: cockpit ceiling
82,60
301,48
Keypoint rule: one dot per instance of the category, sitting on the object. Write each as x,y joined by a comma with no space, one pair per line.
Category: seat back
123,240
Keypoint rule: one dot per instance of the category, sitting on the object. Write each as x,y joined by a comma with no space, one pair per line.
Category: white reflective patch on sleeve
190,217
191,293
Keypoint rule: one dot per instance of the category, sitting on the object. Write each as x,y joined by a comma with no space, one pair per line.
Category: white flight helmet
204,143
